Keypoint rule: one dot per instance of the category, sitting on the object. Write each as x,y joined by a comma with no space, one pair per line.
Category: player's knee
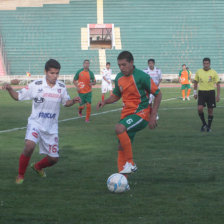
53,160
200,109
119,129
29,148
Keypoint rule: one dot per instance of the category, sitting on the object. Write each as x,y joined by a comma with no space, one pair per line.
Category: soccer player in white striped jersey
47,95
156,75
106,80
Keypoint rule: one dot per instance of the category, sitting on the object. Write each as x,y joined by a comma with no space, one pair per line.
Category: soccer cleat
41,172
87,120
19,179
204,127
157,117
188,98
209,129
183,99
128,168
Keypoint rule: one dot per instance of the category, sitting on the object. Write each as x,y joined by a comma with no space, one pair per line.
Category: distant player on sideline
84,80
106,80
47,94
184,79
156,75
206,78
134,87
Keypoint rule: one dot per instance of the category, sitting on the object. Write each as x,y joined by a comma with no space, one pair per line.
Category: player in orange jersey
184,79
84,80
134,87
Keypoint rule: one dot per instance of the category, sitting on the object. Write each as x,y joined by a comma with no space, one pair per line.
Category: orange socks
88,111
81,108
188,92
126,146
183,94
120,160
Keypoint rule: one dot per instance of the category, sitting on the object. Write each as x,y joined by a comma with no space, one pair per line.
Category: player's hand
77,100
100,105
152,122
217,98
7,87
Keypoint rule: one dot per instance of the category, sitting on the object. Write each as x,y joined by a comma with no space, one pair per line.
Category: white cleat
183,99
157,117
188,98
128,168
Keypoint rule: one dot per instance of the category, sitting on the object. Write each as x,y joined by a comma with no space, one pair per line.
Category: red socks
23,163
120,160
43,163
88,111
102,97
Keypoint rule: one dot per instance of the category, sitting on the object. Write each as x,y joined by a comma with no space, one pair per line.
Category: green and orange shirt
134,91
84,79
184,77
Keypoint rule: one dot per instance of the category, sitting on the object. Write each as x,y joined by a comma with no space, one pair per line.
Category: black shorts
207,97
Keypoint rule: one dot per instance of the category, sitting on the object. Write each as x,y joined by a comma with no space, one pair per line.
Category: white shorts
151,98
106,87
48,143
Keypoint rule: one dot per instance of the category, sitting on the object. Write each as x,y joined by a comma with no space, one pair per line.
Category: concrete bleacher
33,35
173,32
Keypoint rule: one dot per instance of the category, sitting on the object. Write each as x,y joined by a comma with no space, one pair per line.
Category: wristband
195,92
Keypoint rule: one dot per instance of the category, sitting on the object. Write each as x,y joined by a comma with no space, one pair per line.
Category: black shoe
204,127
209,129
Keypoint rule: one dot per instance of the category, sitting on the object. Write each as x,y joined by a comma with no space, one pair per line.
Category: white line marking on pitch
109,111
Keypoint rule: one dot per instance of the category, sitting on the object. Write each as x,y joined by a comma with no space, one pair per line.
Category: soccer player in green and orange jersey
134,87
84,80
184,78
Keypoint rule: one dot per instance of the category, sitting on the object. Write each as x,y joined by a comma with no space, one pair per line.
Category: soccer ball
117,183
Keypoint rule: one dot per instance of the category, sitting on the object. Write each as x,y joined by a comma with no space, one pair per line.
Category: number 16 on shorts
53,148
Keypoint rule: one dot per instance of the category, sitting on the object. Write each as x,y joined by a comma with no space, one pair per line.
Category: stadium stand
172,33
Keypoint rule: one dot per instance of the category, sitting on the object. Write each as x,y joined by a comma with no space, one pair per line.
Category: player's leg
125,131
210,104
49,146
88,105
183,92
188,91
201,104
31,139
82,104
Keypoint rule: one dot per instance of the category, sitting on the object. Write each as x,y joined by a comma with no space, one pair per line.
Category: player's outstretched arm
75,82
70,103
195,89
111,99
218,92
11,91
152,119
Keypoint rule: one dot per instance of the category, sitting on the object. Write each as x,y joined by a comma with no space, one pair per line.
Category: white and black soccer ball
117,183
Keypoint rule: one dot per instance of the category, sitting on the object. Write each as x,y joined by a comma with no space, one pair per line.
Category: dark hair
152,60
183,65
108,63
86,60
187,68
52,64
125,55
207,59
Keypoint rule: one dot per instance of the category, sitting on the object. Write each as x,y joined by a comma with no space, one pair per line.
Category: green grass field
179,179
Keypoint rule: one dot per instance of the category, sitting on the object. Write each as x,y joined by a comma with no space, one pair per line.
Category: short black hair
52,63
152,60
207,59
108,63
183,65
125,55
86,60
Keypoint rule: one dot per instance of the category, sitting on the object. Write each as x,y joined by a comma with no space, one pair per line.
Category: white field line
109,111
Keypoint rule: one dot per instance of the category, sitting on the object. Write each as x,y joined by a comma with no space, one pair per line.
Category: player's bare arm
75,82
111,99
218,92
195,89
152,119
71,102
11,91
